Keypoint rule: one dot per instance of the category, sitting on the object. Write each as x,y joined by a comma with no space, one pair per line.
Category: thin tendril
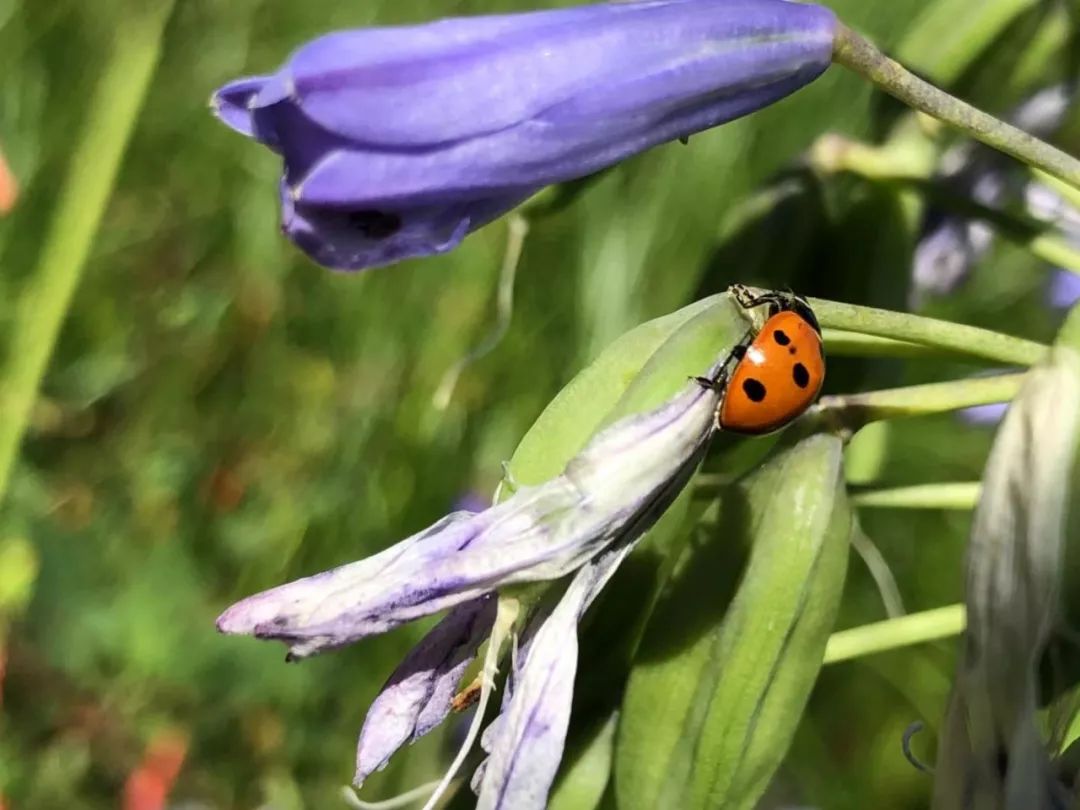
880,572
504,623
414,795
504,311
905,745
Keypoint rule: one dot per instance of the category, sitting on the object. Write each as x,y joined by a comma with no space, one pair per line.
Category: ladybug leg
777,301
712,385
719,383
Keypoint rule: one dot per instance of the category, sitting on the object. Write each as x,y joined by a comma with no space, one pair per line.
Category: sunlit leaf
715,694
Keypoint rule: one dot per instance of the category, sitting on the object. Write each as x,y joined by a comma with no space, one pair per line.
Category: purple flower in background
951,244
581,523
398,141
989,414
1064,289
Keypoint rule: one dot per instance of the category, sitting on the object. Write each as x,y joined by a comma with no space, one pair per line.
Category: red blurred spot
149,785
9,192
225,488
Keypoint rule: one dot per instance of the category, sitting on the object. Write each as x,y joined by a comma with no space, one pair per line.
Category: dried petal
612,491
417,696
991,755
527,743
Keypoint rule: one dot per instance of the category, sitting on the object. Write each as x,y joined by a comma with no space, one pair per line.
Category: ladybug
778,368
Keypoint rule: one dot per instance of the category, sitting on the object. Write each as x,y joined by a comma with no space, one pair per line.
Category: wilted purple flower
585,521
398,141
991,752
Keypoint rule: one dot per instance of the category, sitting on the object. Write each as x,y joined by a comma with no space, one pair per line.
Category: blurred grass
220,415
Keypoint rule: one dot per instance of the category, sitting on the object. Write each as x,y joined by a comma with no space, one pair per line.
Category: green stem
894,165
842,343
969,340
1056,251
962,495
892,634
850,412
44,302
861,56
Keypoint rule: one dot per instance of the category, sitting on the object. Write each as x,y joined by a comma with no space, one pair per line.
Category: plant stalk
858,54
47,294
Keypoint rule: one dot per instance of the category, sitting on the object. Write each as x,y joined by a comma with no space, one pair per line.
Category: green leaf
640,370
582,785
949,34
18,571
712,705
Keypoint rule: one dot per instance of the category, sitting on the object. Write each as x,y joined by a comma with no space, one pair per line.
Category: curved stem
842,343
969,340
892,634
517,230
880,572
404,800
861,56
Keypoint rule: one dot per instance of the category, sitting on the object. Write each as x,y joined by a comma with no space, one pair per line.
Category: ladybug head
790,302
801,307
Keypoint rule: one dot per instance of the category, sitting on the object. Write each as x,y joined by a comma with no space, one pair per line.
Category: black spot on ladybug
780,336
792,350
374,224
800,375
754,389
739,352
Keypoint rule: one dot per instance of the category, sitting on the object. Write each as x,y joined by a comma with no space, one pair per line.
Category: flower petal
232,103
363,237
351,81
612,491
474,76
417,696
311,601
989,754
527,744
533,153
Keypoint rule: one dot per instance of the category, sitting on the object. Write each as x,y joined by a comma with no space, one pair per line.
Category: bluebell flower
399,141
578,526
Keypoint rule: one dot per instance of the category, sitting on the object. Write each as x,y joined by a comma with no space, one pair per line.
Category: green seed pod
991,754
639,371
711,705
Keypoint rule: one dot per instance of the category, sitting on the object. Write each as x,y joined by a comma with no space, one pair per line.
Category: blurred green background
220,415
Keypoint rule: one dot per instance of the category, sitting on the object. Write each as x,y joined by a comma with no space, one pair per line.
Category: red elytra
779,370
